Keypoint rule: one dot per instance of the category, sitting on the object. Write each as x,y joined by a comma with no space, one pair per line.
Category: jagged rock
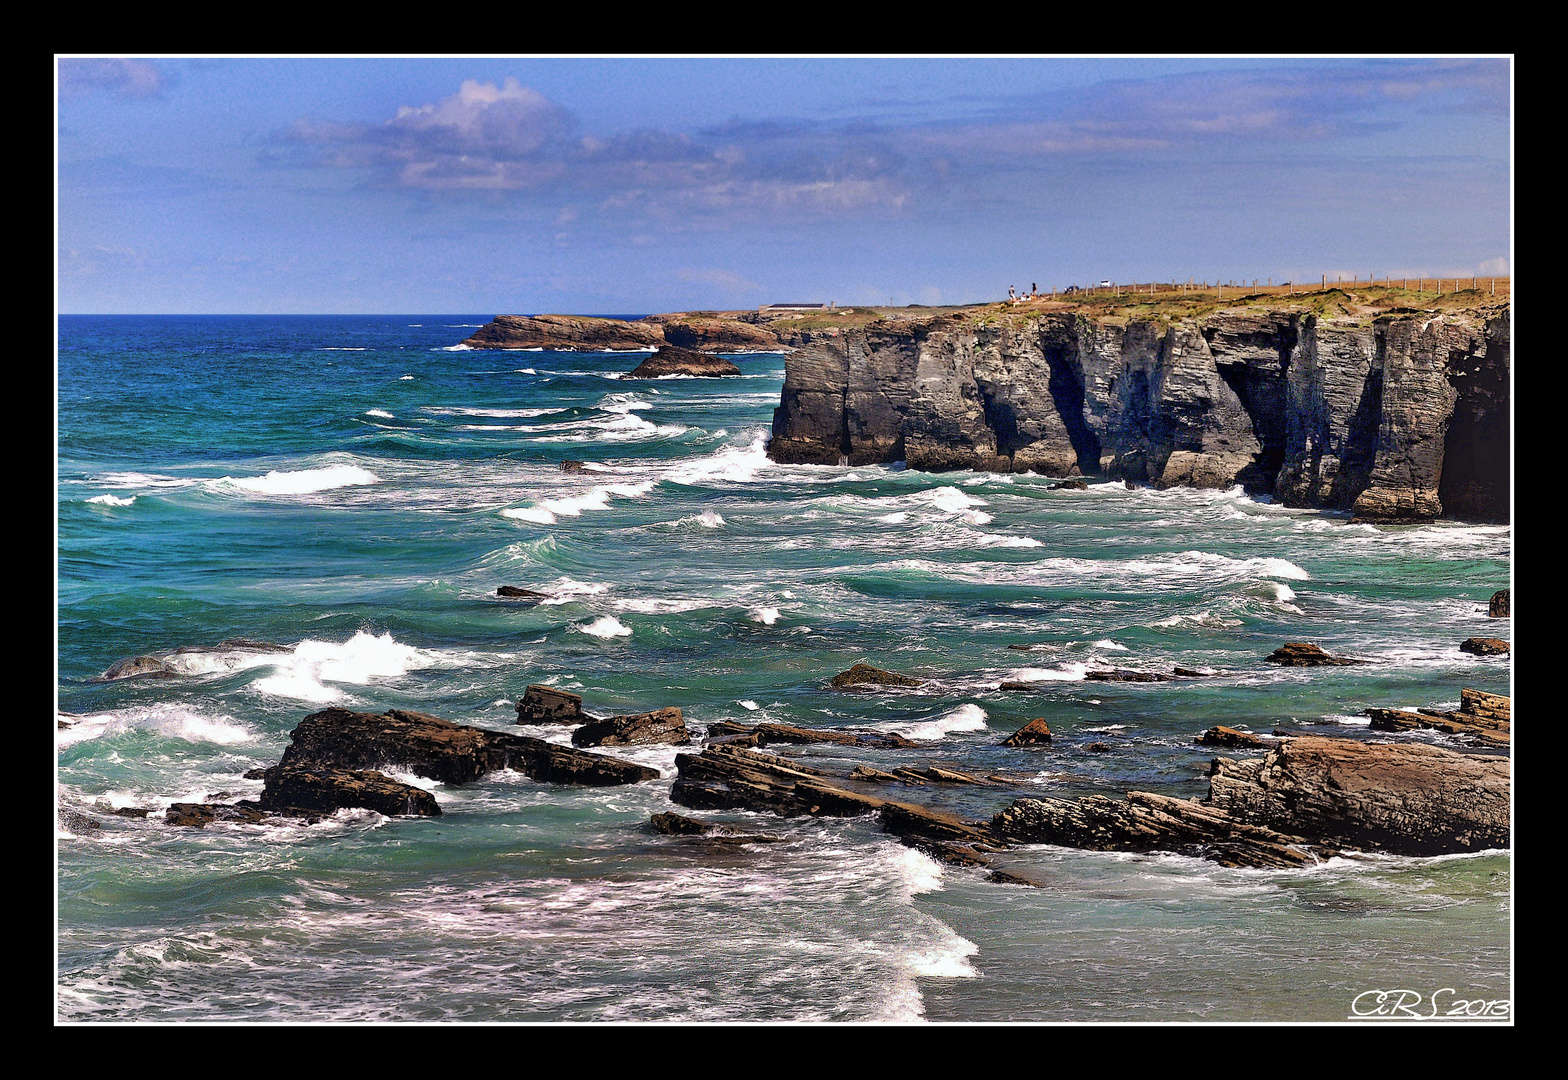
865,675
670,360
1098,748
1395,418
572,466
444,751
1483,646
1501,606
1147,822
1070,485
1404,798
1482,718
1219,735
637,729
547,705
1035,733
515,593
138,667
300,791
564,333
1305,654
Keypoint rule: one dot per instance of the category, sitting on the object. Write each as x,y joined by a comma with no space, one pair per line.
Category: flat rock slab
1483,646
1404,798
325,791
763,734
444,751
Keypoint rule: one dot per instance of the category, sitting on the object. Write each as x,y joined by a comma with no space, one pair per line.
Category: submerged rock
1305,654
138,667
865,675
512,592
763,734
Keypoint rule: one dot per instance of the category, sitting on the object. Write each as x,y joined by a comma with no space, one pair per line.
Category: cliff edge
1396,415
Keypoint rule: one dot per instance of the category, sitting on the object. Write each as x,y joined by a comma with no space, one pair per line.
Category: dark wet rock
547,705
673,824
1035,733
570,465
1070,485
1126,675
933,774
865,675
1305,654
305,792
670,360
1189,673
513,592
1403,798
138,667
72,820
1098,748
1219,735
866,774
763,734
1500,607
1014,684
637,729
1483,646
200,815
439,749
1147,822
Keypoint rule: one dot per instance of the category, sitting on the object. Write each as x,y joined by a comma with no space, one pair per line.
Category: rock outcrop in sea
1399,416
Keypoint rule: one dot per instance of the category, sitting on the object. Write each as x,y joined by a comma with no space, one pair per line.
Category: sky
632,185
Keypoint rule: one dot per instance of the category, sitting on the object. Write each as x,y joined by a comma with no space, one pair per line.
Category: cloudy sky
489,185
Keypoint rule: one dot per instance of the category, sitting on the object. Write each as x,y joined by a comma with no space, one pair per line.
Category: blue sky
490,185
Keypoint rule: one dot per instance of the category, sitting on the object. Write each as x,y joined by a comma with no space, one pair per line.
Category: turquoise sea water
356,488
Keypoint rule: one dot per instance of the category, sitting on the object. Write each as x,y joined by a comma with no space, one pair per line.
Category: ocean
355,489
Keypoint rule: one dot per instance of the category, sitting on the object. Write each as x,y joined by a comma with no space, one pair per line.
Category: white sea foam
547,511
567,590
111,500
654,606
749,706
967,717
358,661
1065,673
898,517
380,414
1107,643
176,721
767,616
606,626
301,481
732,463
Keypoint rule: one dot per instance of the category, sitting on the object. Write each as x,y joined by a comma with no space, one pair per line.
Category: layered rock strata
1404,416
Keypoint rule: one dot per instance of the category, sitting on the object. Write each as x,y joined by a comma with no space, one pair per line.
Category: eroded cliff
1397,416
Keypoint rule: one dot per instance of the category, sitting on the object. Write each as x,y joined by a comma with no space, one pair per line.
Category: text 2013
1444,1004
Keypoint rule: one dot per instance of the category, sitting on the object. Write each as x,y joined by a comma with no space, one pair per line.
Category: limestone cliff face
1401,417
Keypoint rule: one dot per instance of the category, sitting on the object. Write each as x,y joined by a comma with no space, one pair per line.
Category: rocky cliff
1402,415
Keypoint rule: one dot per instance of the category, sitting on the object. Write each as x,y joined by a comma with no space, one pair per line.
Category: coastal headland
1392,404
